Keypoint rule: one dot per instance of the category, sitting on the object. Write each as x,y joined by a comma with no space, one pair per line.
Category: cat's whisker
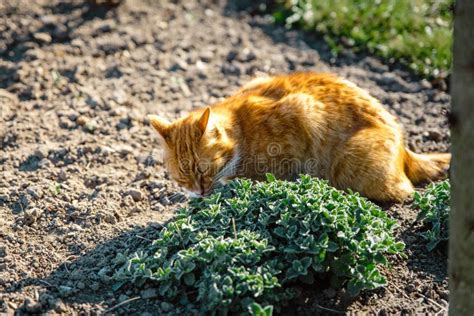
172,196
228,170
215,185
176,197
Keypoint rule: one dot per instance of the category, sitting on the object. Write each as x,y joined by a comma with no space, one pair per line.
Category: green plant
55,188
434,212
417,32
242,248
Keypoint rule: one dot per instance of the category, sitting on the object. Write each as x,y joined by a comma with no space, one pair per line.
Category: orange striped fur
311,123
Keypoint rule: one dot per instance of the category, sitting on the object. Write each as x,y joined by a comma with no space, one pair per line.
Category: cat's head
196,149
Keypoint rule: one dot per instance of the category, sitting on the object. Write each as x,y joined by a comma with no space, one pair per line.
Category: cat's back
324,87
340,100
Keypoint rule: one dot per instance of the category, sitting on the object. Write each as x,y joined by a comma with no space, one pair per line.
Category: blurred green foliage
416,32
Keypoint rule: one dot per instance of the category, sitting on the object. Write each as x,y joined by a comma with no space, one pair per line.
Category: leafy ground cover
416,32
243,247
434,212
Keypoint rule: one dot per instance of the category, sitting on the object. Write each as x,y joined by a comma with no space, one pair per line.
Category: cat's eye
203,166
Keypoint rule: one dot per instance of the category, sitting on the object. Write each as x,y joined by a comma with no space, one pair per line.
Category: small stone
123,297
426,84
93,100
41,152
36,193
206,56
435,135
31,215
142,175
107,150
246,55
112,44
90,126
5,94
156,184
149,293
4,198
75,227
82,120
103,274
44,163
80,285
146,160
166,307
410,288
76,274
73,116
137,195
232,55
123,149
231,69
62,176
24,200
77,42
65,291
157,207
95,286
31,306
119,96
444,295
43,37
109,218
128,201
178,65
60,152
430,293
3,251
59,306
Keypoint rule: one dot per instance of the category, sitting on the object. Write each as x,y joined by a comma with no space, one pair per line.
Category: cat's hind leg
371,162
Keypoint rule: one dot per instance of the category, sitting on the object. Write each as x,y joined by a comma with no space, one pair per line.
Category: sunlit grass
416,32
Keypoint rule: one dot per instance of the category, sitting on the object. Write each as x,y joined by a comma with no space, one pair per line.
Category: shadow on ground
59,33
49,32
87,279
420,260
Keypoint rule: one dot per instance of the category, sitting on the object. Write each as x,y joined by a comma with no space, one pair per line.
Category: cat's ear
204,120
160,124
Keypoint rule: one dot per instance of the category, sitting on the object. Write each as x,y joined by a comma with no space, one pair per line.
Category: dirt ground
81,175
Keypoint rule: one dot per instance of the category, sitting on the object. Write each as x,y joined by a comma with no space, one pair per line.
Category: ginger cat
318,124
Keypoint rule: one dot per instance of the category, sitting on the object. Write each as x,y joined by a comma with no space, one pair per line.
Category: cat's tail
426,167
